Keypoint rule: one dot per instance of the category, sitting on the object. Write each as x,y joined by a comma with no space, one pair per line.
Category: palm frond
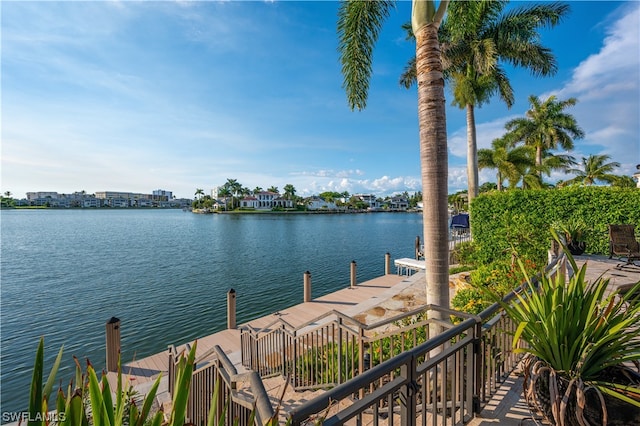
359,24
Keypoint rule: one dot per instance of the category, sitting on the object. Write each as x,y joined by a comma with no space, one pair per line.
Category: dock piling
353,274
113,343
307,286
387,263
231,309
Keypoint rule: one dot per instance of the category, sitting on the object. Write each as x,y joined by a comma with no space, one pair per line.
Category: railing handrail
229,373
366,327
322,402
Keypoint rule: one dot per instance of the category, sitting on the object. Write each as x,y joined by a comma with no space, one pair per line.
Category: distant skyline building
161,194
158,198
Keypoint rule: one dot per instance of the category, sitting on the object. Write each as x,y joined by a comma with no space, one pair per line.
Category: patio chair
623,244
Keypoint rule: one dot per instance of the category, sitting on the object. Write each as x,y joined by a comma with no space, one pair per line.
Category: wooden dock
351,301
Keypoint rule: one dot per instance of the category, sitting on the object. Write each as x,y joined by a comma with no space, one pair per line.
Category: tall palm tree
289,191
225,193
546,126
198,194
594,169
359,23
234,188
510,163
478,38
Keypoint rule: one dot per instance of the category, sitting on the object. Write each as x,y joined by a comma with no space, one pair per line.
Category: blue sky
137,96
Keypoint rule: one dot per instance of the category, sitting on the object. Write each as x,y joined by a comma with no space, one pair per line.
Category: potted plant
572,235
580,344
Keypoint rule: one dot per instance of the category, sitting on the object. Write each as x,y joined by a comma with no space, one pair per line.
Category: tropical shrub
519,221
499,277
328,365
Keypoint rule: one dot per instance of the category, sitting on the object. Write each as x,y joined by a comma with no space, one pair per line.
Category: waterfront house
249,202
317,203
398,204
266,200
371,200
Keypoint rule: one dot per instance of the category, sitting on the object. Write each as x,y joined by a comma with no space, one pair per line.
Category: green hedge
519,221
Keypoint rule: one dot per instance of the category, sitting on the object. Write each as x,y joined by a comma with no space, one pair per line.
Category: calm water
165,275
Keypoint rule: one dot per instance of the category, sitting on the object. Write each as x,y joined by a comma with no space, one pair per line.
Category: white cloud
607,86
485,134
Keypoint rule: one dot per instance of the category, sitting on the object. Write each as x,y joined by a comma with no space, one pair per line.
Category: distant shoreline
211,212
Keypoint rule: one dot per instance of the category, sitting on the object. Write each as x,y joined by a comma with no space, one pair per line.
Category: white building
370,199
162,195
266,200
398,204
32,196
317,203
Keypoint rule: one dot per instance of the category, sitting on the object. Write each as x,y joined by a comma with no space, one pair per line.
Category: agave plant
580,341
95,396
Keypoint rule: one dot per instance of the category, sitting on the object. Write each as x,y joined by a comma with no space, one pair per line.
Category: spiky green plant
118,408
575,330
108,408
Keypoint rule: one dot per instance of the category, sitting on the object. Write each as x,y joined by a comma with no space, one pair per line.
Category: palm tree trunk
434,163
472,154
538,160
499,179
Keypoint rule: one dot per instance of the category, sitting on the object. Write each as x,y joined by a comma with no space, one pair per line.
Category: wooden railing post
353,273
231,309
307,286
387,263
113,343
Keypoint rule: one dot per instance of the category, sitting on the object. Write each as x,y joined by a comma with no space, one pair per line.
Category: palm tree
546,126
289,191
478,37
509,162
624,181
359,23
234,188
594,169
225,193
257,189
273,189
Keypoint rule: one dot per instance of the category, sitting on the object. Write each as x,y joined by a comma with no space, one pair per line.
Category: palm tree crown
511,163
594,169
478,37
546,126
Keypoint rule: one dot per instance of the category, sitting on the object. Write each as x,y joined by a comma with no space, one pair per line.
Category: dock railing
333,348
445,380
239,395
